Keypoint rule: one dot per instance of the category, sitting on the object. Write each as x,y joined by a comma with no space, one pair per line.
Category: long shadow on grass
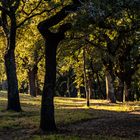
88,122
74,119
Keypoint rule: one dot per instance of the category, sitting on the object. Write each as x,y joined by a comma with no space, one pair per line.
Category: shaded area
73,119
123,125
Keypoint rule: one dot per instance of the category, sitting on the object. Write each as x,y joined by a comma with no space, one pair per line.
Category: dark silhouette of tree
47,121
8,9
9,24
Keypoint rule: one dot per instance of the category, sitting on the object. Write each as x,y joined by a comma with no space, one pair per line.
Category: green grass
24,125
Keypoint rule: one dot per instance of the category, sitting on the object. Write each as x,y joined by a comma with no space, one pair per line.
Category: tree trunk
100,92
110,92
127,91
13,94
32,87
47,122
85,79
119,93
89,85
10,65
32,74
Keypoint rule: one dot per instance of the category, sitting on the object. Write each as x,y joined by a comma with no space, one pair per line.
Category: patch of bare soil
124,125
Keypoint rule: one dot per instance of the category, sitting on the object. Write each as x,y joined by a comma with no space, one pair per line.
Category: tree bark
100,92
13,94
127,91
119,92
85,79
32,75
47,121
10,65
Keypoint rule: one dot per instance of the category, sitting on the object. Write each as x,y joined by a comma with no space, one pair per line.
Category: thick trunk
47,122
100,92
32,74
10,65
39,92
127,91
119,92
13,94
110,92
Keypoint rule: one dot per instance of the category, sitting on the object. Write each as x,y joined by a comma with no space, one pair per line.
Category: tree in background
8,12
13,16
105,20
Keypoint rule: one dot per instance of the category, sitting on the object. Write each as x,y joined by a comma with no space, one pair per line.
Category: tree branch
97,46
15,7
2,8
37,14
28,14
58,17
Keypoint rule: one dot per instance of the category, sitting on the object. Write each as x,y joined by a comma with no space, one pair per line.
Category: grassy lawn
24,125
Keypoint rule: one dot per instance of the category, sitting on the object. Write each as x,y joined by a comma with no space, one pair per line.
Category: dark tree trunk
39,92
10,65
32,75
119,92
85,79
13,94
47,122
129,96
100,92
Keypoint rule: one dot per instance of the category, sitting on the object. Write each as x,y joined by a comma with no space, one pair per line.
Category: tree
10,20
106,20
8,9
47,122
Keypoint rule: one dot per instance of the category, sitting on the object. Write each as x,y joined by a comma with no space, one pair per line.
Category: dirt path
126,125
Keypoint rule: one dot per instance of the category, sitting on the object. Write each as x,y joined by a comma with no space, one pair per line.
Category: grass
24,125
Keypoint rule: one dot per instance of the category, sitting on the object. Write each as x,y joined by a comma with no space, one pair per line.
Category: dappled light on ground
102,120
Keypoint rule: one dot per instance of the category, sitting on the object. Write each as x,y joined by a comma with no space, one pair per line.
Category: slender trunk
68,86
89,85
110,88
85,78
10,65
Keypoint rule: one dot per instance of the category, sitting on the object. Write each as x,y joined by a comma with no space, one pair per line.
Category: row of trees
98,39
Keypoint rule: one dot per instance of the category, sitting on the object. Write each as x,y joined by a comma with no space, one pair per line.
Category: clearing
102,121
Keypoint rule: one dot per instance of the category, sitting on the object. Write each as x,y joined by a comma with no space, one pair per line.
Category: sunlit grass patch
67,111
55,137
116,107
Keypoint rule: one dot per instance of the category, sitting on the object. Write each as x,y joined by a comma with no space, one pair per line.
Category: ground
101,121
